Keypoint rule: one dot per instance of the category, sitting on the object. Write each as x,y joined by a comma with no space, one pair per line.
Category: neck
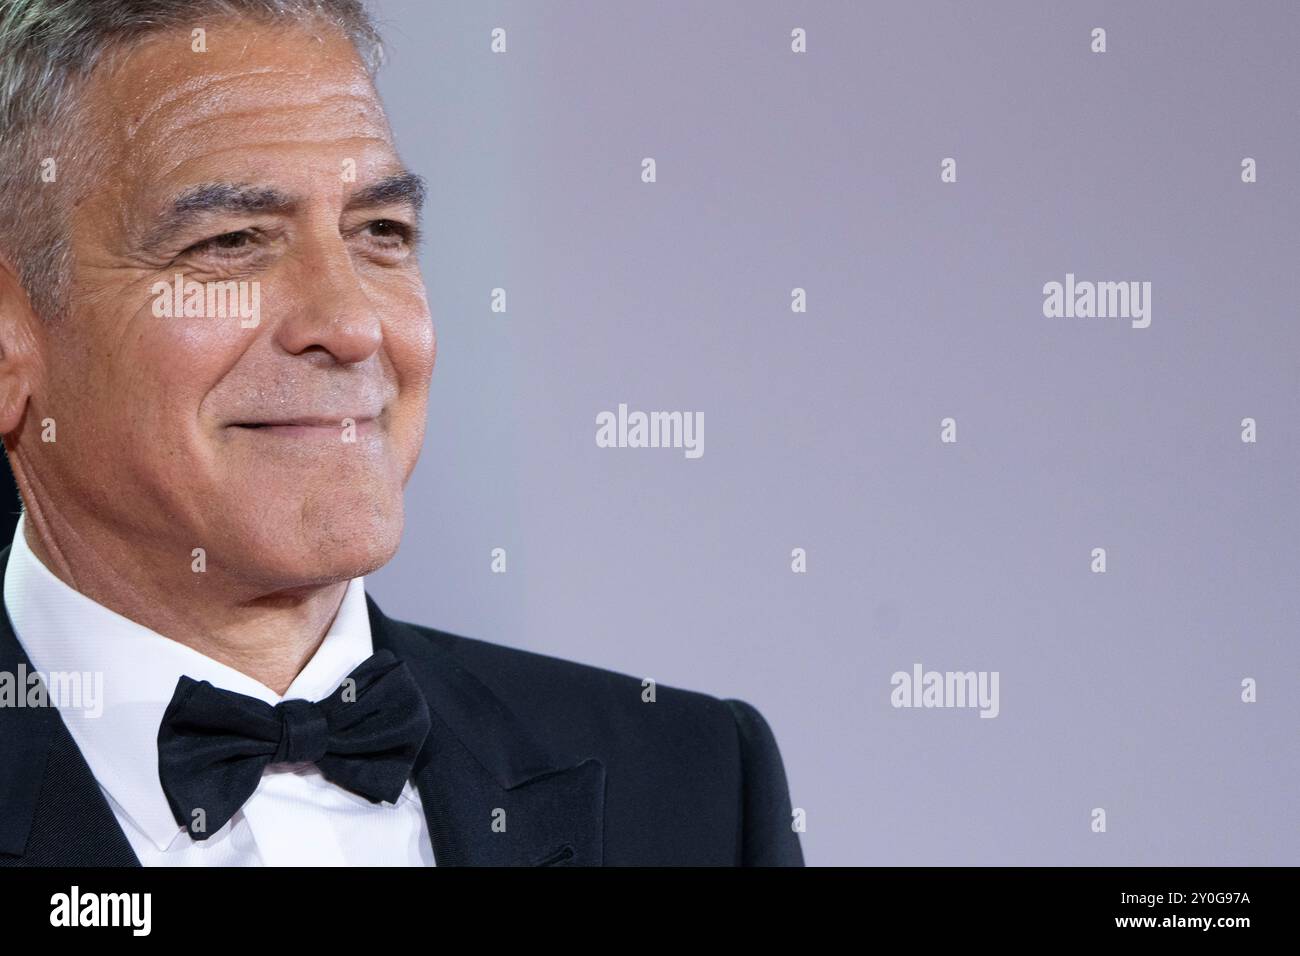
267,634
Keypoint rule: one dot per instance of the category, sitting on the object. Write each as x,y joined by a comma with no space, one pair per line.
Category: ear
19,363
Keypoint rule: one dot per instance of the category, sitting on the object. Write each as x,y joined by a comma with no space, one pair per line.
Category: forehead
296,96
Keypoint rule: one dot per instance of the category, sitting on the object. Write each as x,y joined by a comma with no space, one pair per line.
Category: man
215,352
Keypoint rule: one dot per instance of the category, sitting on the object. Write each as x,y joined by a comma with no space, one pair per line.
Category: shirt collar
64,631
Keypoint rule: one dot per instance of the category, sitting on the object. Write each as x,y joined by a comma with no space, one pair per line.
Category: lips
308,421
315,428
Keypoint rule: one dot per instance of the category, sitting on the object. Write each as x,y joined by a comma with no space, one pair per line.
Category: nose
330,309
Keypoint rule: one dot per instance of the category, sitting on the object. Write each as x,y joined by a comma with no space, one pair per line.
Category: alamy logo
1102,300
103,909
946,689
66,690
185,298
651,430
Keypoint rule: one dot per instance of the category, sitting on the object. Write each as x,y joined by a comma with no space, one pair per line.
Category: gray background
822,430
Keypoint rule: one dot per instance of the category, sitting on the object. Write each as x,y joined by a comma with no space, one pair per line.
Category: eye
390,232
227,245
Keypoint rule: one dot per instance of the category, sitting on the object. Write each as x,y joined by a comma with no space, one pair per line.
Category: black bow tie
213,744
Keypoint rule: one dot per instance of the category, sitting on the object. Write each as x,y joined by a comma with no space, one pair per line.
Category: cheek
413,352
424,352
164,367
412,344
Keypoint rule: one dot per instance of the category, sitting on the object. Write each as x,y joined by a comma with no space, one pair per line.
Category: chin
317,548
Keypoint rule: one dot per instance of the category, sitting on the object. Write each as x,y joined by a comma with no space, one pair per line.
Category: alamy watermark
1102,300
66,690
133,911
229,299
922,688
651,430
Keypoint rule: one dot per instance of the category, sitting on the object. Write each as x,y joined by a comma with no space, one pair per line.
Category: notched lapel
491,795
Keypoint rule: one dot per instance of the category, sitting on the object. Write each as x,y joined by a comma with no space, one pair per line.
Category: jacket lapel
38,758
491,795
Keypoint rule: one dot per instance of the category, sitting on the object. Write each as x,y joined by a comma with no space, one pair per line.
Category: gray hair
48,48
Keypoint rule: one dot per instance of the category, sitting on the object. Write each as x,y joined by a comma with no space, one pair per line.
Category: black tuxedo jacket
587,773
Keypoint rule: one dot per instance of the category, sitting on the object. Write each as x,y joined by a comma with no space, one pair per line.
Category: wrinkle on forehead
160,106
265,90
160,88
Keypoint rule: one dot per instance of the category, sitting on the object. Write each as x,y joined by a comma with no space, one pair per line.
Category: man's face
266,160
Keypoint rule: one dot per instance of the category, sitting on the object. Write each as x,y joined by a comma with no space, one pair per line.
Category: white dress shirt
295,817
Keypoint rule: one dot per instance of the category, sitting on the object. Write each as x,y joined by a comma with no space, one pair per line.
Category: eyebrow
404,187
197,202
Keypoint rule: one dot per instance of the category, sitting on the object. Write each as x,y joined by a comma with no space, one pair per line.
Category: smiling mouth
312,427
